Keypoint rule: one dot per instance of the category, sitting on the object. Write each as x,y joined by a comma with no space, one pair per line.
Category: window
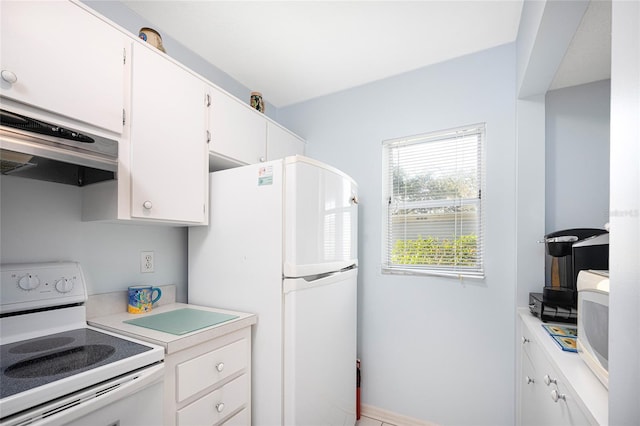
432,192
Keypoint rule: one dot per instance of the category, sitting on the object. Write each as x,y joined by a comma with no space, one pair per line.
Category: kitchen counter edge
170,342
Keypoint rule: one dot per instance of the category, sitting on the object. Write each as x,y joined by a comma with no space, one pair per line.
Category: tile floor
367,421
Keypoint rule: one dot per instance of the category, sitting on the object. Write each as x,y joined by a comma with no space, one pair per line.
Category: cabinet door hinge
124,115
208,136
124,56
207,100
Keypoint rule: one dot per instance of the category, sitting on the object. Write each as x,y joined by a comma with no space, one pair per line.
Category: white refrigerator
282,243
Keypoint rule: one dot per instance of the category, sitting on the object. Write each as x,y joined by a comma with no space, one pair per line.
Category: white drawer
213,407
240,419
530,345
206,370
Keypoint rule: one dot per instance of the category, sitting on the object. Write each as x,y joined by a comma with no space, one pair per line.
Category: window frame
456,271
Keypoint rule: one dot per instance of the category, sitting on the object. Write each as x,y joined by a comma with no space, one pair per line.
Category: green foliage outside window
436,252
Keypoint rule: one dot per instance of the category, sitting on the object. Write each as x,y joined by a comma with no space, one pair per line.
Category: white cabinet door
282,143
64,59
237,131
531,413
169,166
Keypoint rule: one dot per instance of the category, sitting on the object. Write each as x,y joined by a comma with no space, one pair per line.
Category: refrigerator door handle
314,269
305,283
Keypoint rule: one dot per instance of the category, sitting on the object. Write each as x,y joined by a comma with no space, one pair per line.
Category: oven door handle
86,401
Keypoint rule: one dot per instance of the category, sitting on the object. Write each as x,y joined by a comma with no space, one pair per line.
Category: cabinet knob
262,159
147,205
220,367
548,380
529,380
220,407
354,199
525,340
555,395
9,76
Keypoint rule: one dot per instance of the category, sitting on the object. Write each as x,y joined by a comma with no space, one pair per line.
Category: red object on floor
357,389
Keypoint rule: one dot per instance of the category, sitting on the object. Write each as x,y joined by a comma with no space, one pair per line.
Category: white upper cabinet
282,143
238,133
58,57
169,164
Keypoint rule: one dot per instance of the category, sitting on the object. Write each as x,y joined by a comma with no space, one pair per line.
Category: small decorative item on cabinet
152,37
257,102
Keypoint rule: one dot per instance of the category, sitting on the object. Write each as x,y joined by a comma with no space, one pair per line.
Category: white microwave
593,322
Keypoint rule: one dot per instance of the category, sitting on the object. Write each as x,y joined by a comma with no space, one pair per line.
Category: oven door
133,399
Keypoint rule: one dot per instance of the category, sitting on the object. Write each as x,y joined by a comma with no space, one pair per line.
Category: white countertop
586,385
171,342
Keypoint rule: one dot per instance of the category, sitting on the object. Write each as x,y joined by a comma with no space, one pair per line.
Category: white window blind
432,192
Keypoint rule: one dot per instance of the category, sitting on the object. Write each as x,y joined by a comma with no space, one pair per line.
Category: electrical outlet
146,261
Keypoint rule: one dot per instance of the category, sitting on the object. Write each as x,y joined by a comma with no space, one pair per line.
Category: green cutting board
181,321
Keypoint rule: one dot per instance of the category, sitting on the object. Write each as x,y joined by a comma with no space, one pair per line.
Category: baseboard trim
391,418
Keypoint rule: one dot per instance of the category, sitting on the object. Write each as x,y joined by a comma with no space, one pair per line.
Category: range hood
40,150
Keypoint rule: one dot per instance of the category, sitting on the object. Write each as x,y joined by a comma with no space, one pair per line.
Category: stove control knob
64,285
29,282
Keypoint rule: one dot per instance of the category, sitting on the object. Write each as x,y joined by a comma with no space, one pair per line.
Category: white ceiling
588,57
292,51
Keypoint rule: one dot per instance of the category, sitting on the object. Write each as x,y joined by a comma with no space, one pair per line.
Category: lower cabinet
546,395
213,407
210,384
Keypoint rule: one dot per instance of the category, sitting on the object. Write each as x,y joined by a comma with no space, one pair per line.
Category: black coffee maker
568,252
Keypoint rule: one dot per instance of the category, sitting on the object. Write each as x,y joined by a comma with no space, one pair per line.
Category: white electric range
58,370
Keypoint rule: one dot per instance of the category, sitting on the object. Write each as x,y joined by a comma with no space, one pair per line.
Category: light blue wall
41,221
577,156
432,348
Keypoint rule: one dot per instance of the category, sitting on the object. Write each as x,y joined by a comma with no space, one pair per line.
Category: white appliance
282,243
593,322
57,370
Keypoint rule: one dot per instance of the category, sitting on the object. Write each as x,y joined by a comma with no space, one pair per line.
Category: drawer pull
9,76
220,367
529,380
555,395
548,380
220,407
